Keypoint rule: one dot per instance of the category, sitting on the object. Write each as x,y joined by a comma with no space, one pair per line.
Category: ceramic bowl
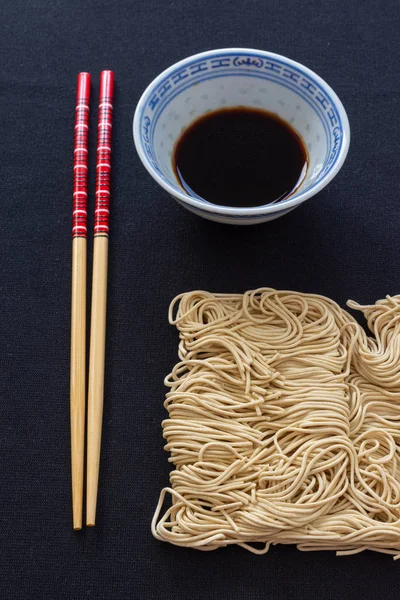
241,77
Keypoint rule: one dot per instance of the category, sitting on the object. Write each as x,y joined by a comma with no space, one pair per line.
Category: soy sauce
240,157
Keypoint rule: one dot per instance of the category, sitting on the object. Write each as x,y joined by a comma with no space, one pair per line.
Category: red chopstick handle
79,204
103,161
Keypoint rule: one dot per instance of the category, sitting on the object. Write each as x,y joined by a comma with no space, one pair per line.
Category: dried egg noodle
283,424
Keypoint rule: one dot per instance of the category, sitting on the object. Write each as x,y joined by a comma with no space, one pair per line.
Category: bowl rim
204,205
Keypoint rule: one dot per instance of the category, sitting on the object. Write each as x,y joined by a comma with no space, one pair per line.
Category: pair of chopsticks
99,294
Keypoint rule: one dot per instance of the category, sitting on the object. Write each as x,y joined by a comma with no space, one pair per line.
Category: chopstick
78,300
99,293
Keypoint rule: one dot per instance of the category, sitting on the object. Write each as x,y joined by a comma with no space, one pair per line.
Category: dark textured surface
344,243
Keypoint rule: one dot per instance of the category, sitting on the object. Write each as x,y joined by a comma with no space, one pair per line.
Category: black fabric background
343,243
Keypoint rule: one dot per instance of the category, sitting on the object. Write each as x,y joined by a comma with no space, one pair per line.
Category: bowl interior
199,85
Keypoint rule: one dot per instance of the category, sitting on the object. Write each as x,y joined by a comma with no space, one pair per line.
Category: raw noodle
283,424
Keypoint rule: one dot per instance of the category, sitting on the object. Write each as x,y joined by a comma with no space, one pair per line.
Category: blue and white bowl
241,77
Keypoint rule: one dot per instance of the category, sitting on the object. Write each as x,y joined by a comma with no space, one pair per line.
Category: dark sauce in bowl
240,157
